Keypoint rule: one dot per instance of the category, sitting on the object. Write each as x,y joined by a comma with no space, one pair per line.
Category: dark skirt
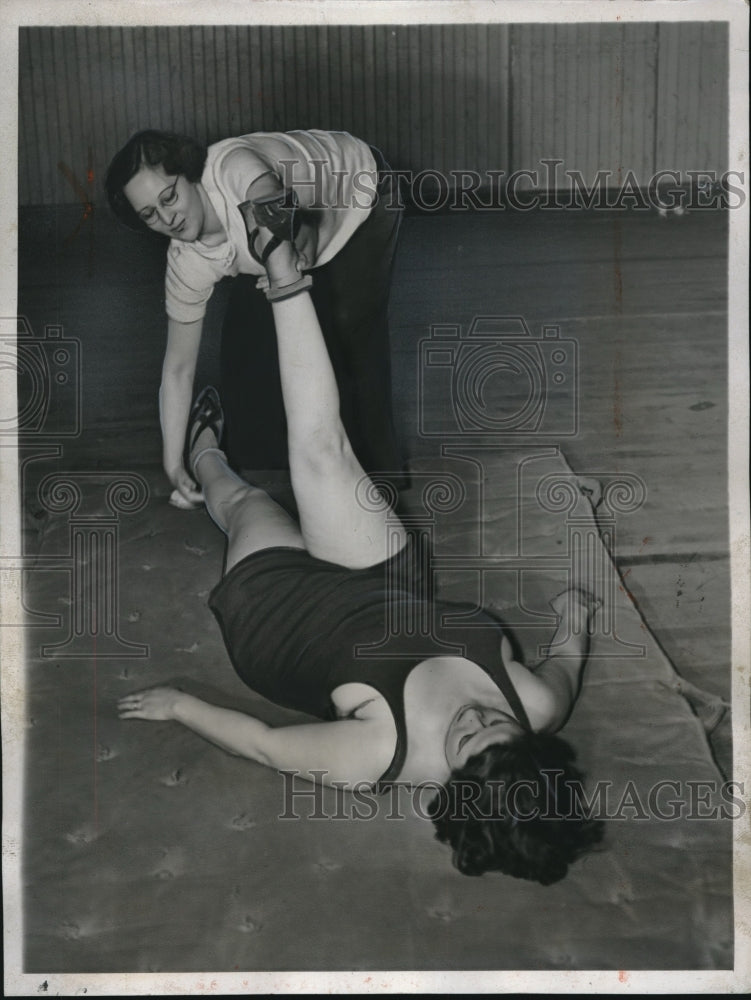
350,294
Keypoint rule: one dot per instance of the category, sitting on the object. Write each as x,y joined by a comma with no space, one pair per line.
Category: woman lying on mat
346,230
298,603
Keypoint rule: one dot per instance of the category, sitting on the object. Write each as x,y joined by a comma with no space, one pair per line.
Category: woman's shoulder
535,695
189,281
295,155
259,142
493,652
241,158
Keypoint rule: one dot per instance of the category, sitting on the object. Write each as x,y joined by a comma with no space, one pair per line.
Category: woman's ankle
282,263
200,455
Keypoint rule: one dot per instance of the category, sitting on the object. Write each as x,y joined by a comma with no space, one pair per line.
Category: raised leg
339,519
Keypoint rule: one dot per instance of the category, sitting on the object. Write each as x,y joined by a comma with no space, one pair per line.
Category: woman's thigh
344,518
258,522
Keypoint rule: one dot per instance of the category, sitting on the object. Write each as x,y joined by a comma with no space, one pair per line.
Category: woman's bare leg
246,514
339,519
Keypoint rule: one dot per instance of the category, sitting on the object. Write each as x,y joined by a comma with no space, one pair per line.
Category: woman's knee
236,503
322,452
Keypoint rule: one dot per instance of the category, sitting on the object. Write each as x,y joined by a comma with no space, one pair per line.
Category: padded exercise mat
147,849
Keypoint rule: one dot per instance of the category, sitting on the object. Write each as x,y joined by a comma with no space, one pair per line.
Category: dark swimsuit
297,627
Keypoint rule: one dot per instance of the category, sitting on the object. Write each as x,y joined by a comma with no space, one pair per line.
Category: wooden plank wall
431,96
585,95
692,99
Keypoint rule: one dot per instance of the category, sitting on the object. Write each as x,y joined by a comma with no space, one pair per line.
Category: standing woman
346,230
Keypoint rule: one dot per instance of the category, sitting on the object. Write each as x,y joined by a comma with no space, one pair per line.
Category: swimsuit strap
483,649
506,686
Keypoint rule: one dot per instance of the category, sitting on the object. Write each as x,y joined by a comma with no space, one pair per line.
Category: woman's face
475,727
167,203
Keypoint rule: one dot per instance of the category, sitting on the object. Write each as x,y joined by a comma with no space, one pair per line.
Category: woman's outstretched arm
175,396
347,752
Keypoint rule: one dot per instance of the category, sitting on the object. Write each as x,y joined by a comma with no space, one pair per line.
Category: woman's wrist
181,706
173,467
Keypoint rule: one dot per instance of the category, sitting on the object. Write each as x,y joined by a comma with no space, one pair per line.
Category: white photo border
15,14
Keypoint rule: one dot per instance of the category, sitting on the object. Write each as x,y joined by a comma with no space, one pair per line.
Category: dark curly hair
178,154
513,808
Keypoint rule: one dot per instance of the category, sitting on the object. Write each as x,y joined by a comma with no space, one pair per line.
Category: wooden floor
643,297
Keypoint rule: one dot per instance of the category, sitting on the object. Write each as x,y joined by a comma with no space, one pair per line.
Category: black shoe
205,412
